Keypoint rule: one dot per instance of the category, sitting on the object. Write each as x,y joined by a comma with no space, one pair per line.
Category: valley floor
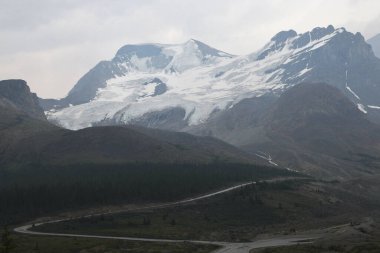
48,244
266,214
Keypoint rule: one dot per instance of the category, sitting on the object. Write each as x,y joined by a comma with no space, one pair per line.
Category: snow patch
266,157
352,92
348,87
362,108
304,71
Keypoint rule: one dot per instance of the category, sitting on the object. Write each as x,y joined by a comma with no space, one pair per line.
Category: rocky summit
178,86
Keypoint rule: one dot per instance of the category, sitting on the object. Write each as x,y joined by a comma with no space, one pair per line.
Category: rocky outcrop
16,94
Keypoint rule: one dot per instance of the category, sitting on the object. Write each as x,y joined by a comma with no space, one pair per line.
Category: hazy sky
52,43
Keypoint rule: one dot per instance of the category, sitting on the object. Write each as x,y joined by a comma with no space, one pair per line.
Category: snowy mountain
179,86
28,140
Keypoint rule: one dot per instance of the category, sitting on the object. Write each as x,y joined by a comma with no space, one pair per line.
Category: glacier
195,77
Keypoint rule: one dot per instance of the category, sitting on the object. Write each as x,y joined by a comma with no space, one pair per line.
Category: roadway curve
226,247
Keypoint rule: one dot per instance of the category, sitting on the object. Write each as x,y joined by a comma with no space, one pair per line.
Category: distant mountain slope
20,118
176,86
325,131
28,138
16,94
122,145
375,44
112,145
311,127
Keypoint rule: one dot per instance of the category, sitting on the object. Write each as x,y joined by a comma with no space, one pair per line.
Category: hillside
311,127
29,138
45,168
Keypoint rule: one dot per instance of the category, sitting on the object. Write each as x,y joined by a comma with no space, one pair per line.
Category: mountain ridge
15,94
375,43
232,98
27,139
131,53
311,127
194,82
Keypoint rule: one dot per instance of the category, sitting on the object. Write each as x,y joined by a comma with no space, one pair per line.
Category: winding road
226,247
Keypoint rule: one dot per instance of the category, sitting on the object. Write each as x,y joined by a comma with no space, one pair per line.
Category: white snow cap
195,77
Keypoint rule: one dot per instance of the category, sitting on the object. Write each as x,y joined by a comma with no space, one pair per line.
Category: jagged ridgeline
180,86
194,88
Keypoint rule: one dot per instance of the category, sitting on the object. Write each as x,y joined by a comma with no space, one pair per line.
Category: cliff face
16,94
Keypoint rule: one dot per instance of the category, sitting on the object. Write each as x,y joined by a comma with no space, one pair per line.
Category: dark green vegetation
281,207
33,192
38,244
44,168
6,241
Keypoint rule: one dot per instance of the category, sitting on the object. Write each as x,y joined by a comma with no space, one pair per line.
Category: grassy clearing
40,244
282,207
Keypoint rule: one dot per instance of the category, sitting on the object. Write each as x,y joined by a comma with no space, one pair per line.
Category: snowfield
195,77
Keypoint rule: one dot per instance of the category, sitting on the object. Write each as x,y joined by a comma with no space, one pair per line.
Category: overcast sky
52,43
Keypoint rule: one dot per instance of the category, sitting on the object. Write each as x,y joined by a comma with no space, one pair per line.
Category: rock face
16,94
318,129
151,83
375,44
312,127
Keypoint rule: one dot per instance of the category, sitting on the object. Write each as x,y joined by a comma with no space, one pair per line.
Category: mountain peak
284,36
290,40
320,32
155,49
191,40
140,50
197,80
206,50
16,94
315,34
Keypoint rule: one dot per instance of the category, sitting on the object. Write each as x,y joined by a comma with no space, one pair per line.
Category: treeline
36,191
